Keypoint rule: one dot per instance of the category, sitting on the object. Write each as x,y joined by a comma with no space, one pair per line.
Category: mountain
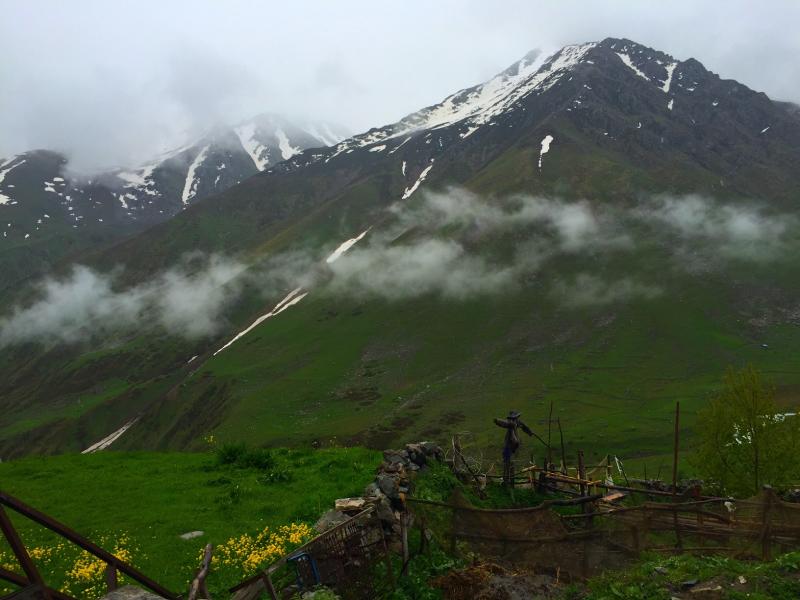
50,213
607,228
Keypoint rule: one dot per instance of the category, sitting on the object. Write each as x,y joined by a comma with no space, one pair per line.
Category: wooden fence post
587,507
269,586
563,454
111,577
766,523
404,538
199,583
676,520
581,473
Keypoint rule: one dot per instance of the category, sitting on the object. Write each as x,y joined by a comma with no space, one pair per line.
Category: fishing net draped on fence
596,537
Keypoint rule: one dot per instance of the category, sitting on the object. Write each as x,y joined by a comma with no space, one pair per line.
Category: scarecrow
511,424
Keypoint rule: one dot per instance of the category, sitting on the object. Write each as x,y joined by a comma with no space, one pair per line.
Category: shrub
230,453
744,441
239,455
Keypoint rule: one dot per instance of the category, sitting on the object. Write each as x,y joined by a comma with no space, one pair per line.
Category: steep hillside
608,228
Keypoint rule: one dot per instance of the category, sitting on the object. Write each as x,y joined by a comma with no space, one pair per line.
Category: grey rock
416,454
372,490
395,457
191,535
383,509
432,449
330,519
388,485
130,592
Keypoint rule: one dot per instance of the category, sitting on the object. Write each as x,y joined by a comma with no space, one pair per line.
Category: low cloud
452,244
428,266
590,290
184,301
571,225
746,230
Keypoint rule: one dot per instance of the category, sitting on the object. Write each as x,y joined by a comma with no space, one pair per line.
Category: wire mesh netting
607,537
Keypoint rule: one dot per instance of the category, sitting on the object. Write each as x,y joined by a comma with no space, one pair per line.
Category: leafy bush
241,456
744,440
257,458
230,454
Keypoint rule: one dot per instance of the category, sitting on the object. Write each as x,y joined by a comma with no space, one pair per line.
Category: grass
657,578
66,407
153,498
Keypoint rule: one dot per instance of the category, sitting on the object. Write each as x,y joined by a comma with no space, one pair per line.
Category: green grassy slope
153,498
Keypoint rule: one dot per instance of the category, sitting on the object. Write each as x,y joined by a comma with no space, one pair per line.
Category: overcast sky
112,82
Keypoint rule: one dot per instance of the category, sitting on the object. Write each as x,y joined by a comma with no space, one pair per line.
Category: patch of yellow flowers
246,554
69,569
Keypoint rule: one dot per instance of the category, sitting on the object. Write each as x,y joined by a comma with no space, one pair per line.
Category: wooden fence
351,558
30,580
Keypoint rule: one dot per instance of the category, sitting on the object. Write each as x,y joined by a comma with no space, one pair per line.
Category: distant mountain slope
49,213
597,133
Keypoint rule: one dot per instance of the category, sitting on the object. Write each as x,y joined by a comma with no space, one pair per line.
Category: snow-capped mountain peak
132,198
269,139
474,107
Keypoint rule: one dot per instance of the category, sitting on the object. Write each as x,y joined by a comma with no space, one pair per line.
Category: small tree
744,442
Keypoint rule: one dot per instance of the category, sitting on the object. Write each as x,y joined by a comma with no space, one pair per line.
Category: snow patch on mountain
290,300
344,247
5,170
629,63
139,180
287,150
668,81
548,139
410,190
259,153
110,439
190,185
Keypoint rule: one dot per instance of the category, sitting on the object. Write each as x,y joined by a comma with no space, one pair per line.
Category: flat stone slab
346,504
191,535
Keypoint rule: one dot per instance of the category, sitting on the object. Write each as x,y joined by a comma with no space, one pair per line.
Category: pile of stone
388,489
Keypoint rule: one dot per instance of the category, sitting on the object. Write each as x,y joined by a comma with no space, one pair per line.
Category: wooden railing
323,544
32,581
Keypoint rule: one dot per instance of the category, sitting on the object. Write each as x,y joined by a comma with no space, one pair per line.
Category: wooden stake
404,538
678,541
549,428
563,454
675,449
766,523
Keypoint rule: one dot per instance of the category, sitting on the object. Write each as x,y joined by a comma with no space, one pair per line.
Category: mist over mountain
50,211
